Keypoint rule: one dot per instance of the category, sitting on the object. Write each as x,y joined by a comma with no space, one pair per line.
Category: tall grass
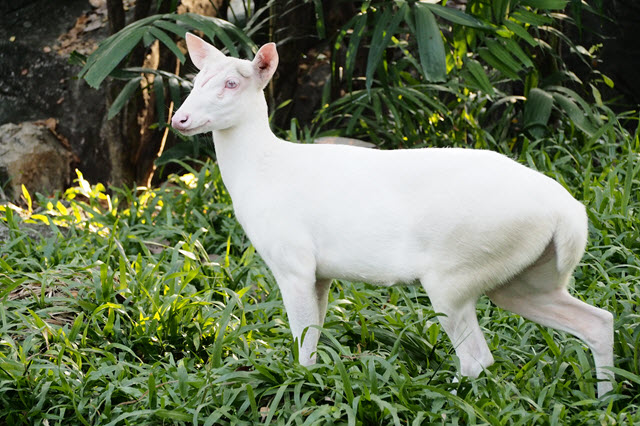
150,306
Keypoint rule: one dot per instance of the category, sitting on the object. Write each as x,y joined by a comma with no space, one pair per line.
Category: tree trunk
118,131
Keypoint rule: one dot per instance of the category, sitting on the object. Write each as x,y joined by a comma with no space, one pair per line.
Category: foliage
506,58
166,89
150,306
105,60
147,306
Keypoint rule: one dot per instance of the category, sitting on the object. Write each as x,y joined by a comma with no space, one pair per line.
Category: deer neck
241,152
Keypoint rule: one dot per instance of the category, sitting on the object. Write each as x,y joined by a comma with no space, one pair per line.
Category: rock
200,7
37,80
30,155
34,231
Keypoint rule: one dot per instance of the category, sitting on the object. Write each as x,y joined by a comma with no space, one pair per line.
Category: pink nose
181,120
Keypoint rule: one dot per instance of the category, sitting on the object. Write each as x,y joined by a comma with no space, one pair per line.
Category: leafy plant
151,306
502,56
104,61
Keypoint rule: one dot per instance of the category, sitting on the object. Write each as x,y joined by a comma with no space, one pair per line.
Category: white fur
462,222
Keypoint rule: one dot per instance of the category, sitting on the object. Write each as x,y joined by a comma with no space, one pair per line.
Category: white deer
462,222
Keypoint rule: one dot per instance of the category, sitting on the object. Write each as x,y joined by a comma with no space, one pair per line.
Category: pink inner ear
199,50
266,61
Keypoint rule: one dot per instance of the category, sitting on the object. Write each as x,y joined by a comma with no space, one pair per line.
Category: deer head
227,91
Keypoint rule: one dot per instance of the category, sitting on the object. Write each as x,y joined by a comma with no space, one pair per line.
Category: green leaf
223,321
273,407
490,59
498,50
148,39
346,382
574,112
352,49
385,29
635,378
158,89
480,79
77,323
109,55
516,50
104,61
456,16
170,26
520,32
537,110
377,48
531,18
152,391
215,27
107,44
545,4
430,45
174,92
500,9
319,19
183,378
167,41
123,97
179,415
607,80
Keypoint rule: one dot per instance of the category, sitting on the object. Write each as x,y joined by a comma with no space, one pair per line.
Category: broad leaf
574,112
537,110
158,89
105,60
167,41
527,17
107,57
517,51
383,31
498,50
500,9
479,77
352,49
545,4
430,45
123,97
520,32
492,60
456,16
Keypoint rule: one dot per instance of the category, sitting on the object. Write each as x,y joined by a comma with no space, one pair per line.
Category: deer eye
231,84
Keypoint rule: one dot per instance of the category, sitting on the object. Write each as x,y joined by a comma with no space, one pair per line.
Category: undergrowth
150,306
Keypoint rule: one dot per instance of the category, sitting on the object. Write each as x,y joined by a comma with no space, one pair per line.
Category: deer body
461,222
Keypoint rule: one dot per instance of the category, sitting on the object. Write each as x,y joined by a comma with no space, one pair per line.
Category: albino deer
462,222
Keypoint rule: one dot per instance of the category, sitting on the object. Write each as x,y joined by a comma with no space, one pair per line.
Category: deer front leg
305,302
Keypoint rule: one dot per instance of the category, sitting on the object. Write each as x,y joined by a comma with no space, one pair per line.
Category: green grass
152,307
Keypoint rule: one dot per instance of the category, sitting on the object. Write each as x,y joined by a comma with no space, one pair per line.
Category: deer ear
266,62
200,50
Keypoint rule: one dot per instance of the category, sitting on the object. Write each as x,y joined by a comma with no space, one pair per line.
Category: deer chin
194,130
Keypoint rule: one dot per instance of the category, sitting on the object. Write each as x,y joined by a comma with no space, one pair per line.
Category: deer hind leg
322,295
539,294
